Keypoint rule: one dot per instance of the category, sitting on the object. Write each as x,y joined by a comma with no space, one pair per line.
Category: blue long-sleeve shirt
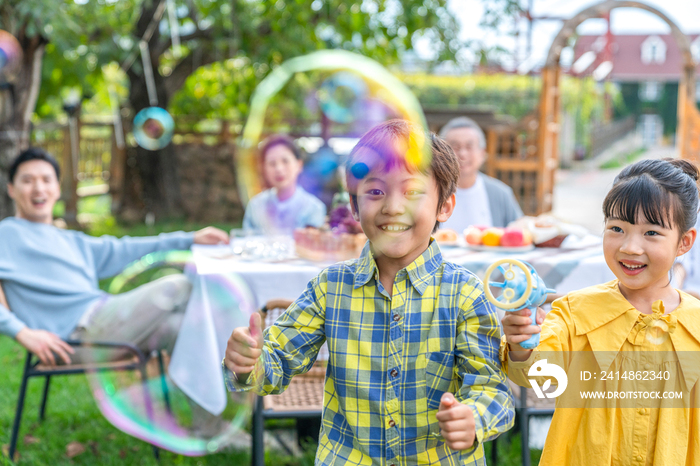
50,276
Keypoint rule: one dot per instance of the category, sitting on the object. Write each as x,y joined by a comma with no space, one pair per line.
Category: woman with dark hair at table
285,205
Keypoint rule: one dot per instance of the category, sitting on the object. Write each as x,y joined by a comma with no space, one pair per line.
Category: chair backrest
277,307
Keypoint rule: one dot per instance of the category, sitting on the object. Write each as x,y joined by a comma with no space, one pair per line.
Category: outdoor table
577,264
202,340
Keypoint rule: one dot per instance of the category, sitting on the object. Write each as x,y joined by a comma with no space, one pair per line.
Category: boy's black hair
664,191
382,140
33,153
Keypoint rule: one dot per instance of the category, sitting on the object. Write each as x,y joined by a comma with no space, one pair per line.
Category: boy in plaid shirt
413,373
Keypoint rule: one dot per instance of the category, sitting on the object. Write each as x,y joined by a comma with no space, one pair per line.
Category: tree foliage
260,34
497,12
81,37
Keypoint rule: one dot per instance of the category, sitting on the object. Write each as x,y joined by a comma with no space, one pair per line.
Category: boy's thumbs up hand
456,422
244,347
255,329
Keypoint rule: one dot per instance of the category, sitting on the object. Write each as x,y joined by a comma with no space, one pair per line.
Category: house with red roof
647,70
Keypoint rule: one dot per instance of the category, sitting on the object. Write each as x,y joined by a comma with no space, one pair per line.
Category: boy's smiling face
398,209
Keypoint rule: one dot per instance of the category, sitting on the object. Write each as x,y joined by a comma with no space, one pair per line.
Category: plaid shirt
391,359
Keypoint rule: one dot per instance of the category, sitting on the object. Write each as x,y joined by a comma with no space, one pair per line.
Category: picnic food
473,235
322,244
548,231
492,237
497,237
445,236
513,237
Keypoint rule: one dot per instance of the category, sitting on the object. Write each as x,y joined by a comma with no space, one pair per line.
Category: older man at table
50,276
481,200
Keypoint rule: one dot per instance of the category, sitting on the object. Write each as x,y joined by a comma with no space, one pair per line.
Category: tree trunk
152,183
17,102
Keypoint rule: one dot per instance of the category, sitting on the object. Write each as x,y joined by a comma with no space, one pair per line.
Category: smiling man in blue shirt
50,276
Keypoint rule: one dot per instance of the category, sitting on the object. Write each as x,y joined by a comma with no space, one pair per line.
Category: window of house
653,50
599,44
652,129
650,91
695,50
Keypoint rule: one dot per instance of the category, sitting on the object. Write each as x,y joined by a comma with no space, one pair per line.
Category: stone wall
208,182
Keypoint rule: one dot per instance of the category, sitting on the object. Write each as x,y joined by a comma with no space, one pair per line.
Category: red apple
512,237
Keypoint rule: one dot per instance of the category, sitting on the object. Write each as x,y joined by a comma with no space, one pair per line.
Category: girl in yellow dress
630,348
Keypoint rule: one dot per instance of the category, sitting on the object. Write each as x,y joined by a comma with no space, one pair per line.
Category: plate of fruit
509,239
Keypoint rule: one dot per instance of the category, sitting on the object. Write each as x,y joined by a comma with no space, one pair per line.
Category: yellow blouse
622,341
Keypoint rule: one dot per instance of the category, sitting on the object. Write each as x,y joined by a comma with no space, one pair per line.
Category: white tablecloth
202,340
565,269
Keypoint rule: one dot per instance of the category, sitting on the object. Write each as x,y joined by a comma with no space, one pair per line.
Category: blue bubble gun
522,288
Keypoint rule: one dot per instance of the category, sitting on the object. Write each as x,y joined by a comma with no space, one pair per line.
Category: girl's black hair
664,192
280,140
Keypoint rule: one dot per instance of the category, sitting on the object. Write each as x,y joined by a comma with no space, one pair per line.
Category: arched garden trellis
526,157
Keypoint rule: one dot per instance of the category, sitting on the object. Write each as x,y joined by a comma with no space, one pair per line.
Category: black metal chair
133,360
34,368
303,399
155,265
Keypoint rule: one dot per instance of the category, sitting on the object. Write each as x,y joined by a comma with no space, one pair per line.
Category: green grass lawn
623,159
72,415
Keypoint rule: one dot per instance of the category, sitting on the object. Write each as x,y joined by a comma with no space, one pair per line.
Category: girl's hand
518,327
456,422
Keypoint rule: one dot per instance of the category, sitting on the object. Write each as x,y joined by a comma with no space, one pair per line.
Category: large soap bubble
153,128
341,97
175,400
10,55
333,96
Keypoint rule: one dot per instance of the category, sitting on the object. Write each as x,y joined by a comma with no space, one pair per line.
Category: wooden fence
98,165
512,158
604,135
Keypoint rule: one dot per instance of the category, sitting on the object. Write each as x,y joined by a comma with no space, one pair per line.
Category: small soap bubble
153,128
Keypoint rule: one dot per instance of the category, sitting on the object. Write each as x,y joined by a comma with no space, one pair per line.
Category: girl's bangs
639,199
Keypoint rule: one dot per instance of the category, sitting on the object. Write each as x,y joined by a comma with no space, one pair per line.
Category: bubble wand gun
522,288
